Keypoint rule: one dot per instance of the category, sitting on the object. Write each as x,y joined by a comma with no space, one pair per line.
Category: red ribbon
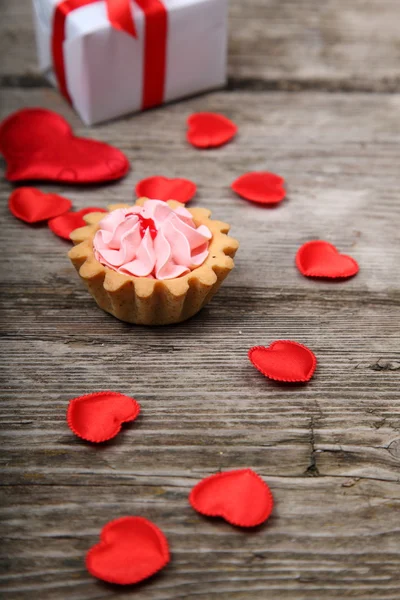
120,17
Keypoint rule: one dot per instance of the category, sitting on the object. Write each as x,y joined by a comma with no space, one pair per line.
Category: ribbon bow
120,16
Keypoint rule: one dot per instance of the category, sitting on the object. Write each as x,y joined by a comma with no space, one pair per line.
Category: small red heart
210,130
98,417
240,497
32,205
130,549
40,144
65,224
321,259
163,188
260,187
284,361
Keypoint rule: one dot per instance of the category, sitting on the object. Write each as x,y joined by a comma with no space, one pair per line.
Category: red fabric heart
210,130
32,205
131,549
284,361
98,417
64,225
40,144
163,188
240,497
321,259
261,187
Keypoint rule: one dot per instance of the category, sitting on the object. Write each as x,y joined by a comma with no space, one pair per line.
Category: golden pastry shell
150,301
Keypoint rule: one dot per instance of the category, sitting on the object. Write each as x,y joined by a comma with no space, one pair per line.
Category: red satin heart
131,549
261,187
40,144
284,361
210,130
163,188
98,417
321,259
240,497
64,225
32,205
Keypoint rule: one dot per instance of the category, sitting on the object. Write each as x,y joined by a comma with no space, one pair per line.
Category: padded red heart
240,497
64,225
261,187
40,144
32,205
98,417
321,259
131,549
163,188
284,361
209,130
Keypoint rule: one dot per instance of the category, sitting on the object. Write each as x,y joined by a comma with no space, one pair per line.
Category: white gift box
105,67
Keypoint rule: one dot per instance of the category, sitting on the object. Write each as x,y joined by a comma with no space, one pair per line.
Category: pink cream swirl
152,240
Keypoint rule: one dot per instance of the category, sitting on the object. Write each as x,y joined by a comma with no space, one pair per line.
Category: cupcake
154,263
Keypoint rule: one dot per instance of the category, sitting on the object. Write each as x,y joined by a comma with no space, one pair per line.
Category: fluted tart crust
147,301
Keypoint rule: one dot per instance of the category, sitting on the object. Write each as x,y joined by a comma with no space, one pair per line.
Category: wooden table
314,87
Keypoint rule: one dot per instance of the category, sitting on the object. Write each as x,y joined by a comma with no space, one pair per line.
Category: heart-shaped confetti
98,417
163,188
64,225
40,144
240,497
284,360
32,205
322,259
131,549
260,187
210,130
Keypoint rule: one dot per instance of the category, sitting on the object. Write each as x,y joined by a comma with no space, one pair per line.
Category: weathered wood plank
338,153
325,43
329,450
350,44
349,535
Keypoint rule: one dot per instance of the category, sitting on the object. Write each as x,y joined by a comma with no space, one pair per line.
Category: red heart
321,259
40,144
284,361
240,497
98,417
261,187
32,205
209,130
162,188
64,225
131,549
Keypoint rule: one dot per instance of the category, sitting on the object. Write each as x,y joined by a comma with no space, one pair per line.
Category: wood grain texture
330,450
283,44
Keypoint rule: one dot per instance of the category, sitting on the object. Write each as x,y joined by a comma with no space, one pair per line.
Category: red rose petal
260,187
130,549
321,259
98,417
32,205
147,224
40,144
284,361
64,225
163,188
210,130
240,497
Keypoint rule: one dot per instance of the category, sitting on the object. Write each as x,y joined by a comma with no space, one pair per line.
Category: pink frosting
153,241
